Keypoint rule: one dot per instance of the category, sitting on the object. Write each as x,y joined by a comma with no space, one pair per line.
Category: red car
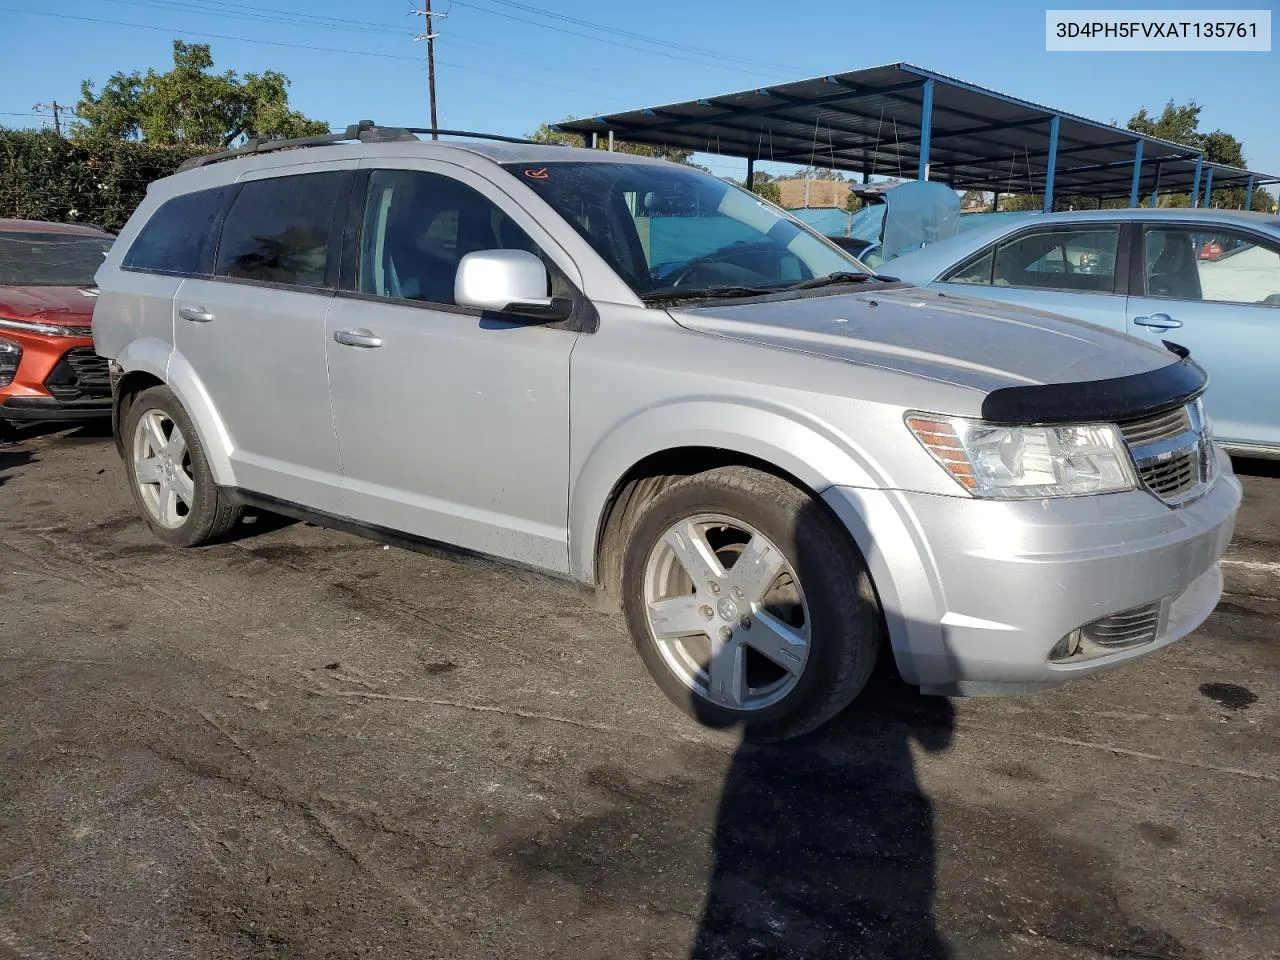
48,369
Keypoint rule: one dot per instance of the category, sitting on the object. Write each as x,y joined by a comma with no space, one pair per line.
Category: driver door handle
1158,321
357,338
195,314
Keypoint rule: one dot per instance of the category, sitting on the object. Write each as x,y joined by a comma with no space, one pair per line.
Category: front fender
158,358
811,451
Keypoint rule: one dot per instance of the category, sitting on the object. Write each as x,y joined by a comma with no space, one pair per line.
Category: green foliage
190,105
766,186
46,177
1181,124
544,134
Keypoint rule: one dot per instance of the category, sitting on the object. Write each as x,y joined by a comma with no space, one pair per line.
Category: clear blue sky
506,65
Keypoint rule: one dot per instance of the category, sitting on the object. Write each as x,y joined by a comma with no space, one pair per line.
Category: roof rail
366,131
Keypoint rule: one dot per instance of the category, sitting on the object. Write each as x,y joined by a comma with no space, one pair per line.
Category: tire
209,514
822,595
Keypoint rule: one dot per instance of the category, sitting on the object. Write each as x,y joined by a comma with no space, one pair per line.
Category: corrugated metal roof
871,121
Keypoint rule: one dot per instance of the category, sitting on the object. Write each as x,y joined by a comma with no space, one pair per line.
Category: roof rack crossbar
366,131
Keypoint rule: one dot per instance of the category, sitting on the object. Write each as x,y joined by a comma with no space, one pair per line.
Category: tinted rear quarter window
179,236
277,230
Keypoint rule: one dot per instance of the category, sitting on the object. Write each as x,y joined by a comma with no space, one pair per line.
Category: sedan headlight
48,329
10,357
1010,463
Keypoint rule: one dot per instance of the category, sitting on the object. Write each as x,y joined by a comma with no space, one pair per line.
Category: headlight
10,357
1010,463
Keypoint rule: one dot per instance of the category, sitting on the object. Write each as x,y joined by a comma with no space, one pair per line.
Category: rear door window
277,230
1209,263
178,239
1082,260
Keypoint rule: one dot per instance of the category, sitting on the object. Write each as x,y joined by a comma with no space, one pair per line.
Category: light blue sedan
1208,280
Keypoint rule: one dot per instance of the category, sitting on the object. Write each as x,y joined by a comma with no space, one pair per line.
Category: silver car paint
512,439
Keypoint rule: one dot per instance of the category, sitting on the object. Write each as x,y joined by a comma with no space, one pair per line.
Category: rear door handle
1158,321
195,314
357,338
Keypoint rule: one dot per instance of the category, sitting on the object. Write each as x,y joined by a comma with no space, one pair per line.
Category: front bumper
977,593
59,379
50,409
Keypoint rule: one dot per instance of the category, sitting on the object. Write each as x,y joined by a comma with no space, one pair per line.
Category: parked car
1206,279
48,370
633,374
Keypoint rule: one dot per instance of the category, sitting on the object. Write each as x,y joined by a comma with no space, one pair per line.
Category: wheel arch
149,362
628,466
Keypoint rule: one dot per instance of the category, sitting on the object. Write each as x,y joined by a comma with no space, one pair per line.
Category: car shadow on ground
9,459
825,846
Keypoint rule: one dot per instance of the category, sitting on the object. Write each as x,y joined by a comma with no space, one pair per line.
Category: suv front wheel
169,473
749,604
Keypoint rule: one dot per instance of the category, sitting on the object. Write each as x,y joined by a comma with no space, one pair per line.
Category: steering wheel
729,273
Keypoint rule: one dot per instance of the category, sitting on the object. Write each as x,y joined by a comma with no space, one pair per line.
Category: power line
57,109
295,46
233,11
629,34
617,43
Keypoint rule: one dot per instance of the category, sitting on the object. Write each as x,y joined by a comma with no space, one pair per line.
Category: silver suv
641,377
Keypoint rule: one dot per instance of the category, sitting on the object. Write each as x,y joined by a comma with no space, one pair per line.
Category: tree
544,134
190,105
1181,124
766,186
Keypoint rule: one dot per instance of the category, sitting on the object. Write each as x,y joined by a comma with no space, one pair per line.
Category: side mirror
507,281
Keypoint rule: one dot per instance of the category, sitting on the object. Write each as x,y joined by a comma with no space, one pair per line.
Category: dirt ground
303,744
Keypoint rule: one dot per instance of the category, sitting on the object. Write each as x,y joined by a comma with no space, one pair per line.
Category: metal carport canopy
900,119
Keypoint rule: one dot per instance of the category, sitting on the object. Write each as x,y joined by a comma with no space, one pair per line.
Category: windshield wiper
843,277
706,293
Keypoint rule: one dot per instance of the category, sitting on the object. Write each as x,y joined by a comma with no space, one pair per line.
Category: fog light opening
1067,647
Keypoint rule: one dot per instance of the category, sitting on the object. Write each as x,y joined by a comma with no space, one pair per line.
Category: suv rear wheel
169,474
749,604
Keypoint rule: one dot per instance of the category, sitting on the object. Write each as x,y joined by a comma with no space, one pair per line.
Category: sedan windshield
30,259
673,232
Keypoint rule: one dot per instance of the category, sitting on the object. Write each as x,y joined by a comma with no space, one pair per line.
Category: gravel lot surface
303,744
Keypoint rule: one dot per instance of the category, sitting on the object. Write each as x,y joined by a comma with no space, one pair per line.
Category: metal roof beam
731,113
1043,154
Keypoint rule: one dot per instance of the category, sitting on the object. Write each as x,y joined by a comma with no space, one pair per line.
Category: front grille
1171,479
80,375
1163,426
1173,454
1128,628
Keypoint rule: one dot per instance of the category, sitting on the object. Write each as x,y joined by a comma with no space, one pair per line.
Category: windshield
674,232
29,259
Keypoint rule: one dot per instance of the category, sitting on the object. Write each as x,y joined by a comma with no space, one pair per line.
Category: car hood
66,306
970,343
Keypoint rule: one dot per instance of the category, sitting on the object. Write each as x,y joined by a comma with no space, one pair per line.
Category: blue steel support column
1050,164
1155,188
1195,184
1248,194
751,173
1137,175
1208,188
926,129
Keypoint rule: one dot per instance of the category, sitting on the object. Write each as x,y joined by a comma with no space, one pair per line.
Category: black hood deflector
1106,401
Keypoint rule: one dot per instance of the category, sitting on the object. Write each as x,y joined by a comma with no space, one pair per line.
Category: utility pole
56,108
430,38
